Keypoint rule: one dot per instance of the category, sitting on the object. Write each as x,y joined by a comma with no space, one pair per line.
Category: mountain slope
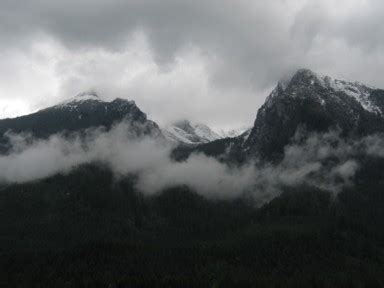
187,132
318,103
307,100
192,133
233,132
84,111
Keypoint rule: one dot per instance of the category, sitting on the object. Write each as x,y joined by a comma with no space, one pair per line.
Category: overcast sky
207,60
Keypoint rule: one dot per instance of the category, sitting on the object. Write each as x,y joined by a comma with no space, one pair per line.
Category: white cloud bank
322,160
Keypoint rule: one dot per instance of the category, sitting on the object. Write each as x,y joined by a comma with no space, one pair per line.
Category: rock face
84,111
317,103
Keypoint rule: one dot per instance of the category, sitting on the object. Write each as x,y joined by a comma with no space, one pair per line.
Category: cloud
33,159
326,161
40,158
218,57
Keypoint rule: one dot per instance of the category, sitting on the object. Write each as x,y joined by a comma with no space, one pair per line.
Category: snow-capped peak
232,132
82,97
306,77
188,132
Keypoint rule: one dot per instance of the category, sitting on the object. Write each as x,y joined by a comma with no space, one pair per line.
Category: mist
325,161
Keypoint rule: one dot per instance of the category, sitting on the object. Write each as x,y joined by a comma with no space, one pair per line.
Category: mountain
187,132
77,114
305,100
317,103
192,133
233,132
89,228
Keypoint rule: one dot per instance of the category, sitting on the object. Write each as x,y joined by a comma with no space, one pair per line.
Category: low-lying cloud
326,161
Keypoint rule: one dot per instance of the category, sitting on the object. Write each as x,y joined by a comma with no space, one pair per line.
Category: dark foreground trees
87,229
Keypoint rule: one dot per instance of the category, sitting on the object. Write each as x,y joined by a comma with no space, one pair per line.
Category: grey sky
207,60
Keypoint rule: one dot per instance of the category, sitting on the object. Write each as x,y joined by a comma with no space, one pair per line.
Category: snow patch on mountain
92,100
232,133
245,134
82,97
190,133
356,90
193,133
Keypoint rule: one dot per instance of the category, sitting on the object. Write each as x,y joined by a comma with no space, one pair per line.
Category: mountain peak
82,97
88,95
316,102
183,124
305,82
185,131
305,73
84,111
301,76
